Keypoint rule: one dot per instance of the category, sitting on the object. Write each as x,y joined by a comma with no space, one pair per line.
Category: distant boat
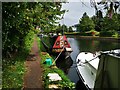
87,65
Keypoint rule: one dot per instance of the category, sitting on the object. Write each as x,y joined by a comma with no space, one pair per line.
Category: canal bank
113,39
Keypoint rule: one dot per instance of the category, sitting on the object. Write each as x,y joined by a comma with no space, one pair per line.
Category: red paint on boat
61,42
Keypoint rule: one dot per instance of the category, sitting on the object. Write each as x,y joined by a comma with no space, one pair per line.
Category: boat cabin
61,44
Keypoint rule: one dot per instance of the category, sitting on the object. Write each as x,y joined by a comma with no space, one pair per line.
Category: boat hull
86,70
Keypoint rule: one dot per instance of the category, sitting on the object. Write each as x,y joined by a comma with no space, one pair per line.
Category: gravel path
33,75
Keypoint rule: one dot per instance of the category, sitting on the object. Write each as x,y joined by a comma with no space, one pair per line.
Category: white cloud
76,10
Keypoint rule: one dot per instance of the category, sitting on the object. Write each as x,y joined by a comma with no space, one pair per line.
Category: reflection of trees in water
64,64
107,45
96,45
88,45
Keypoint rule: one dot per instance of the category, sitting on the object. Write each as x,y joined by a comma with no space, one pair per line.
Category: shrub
106,33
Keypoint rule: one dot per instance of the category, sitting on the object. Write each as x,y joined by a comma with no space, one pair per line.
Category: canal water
78,45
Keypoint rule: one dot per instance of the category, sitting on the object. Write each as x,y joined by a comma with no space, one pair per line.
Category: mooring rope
100,53
90,60
58,55
86,61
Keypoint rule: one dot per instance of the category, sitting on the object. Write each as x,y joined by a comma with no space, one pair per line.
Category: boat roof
87,56
115,53
61,42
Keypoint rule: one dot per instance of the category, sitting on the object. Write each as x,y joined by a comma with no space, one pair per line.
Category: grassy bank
13,71
97,34
13,68
62,85
65,83
82,36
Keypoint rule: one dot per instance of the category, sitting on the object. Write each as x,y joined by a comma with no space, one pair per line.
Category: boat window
57,43
65,43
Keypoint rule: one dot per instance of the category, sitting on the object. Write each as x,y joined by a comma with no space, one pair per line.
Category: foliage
106,34
111,20
85,34
110,24
70,29
93,32
65,83
15,26
111,6
38,43
62,29
28,41
21,17
98,22
13,68
116,35
107,25
86,24
72,33
12,76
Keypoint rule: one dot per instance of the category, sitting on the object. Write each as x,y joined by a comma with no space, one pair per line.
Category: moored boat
107,76
87,65
61,45
100,70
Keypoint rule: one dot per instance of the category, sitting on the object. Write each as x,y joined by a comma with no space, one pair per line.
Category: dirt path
32,78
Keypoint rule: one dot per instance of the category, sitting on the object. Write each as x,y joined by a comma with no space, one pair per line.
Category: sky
76,9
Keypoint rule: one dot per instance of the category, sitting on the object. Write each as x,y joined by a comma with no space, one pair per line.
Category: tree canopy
19,18
86,23
110,6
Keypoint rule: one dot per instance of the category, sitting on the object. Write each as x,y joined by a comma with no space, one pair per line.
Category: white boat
87,65
94,71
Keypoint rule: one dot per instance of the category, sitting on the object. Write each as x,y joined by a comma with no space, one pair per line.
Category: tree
111,6
111,24
70,29
21,18
62,29
86,24
98,22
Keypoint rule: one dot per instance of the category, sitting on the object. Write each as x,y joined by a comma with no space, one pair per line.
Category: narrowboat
61,45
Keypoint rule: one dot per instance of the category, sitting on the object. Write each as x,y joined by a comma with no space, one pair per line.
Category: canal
78,45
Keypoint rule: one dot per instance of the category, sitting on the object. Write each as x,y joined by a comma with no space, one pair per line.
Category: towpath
33,75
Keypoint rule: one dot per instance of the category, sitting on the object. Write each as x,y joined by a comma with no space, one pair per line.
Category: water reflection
75,46
64,64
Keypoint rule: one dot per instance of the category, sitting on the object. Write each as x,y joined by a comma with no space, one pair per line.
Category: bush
28,41
13,68
85,34
106,33
13,72
116,35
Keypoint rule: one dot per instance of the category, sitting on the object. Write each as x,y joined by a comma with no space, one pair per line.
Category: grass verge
65,83
13,71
